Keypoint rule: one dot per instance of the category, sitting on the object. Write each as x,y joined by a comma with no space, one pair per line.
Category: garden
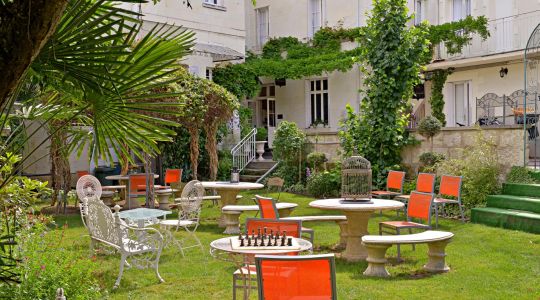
93,83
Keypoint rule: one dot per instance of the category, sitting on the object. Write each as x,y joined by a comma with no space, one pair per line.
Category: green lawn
485,262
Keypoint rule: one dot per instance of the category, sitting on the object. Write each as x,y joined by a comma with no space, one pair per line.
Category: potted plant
260,138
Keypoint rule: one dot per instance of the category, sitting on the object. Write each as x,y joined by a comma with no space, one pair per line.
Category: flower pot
260,149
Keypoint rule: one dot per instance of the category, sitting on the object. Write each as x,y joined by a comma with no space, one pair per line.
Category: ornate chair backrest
172,176
267,207
191,200
450,186
296,277
274,183
101,222
88,186
425,183
292,227
395,181
419,206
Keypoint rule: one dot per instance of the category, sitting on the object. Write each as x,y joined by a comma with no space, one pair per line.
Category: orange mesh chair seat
296,277
394,185
293,229
268,209
425,183
450,187
419,207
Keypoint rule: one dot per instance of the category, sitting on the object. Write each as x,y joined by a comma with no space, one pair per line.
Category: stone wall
452,141
326,142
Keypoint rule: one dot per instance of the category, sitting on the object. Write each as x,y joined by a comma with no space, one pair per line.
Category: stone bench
232,214
340,220
377,245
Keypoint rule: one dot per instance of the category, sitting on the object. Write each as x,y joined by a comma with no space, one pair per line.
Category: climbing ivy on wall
437,98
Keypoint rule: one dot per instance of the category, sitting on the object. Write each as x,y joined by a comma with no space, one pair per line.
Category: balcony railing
506,35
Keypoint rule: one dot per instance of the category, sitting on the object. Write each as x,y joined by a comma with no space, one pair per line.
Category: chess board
235,245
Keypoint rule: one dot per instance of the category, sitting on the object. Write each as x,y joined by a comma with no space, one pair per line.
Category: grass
485,262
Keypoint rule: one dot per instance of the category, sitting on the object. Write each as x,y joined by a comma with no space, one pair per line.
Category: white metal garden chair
87,187
142,246
189,211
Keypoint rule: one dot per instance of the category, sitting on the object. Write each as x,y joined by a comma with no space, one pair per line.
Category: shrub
429,127
519,175
298,188
288,173
324,184
262,134
224,165
46,265
316,160
289,143
480,169
429,159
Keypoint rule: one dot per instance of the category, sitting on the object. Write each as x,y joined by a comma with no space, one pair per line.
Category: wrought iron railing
244,152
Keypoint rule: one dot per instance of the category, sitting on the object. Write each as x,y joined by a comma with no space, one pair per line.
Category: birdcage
356,179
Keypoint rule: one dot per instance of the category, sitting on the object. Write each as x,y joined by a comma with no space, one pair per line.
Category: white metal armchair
142,245
189,211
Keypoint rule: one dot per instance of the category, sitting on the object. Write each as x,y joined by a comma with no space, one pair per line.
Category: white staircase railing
244,152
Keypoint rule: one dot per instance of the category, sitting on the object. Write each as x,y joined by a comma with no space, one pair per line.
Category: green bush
47,264
298,188
324,184
429,127
289,143
224,165
316,160
288,173
480,169
428,160
262,134
519,175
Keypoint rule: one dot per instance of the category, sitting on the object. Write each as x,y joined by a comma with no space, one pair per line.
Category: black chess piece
283,241
271,233
289,241
249,241
259,232
241,242
276,241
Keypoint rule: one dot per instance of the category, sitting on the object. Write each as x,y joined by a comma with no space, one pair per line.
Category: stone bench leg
343,234
232,222
164,201
436,254
376,260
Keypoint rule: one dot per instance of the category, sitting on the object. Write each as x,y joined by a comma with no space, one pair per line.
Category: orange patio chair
81,173
296,277
419,207
173,176
268,209
450,187
425,183
293,229
394,185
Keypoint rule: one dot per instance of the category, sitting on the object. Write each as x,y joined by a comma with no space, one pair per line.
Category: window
263,27
418,16
315,16
461,103
318,100
209,73
460,9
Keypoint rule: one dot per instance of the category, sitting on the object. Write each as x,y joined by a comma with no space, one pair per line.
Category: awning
218,53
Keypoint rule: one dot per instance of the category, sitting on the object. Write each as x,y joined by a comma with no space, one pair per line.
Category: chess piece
259,232
241,242
289,241
276,241
249,241
283,240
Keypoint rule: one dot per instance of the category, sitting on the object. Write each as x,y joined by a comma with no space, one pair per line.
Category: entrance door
267,117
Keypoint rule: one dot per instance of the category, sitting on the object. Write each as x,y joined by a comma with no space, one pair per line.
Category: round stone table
357,219
228,192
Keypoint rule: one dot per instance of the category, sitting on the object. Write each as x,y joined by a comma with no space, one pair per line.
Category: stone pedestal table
357,214
228,192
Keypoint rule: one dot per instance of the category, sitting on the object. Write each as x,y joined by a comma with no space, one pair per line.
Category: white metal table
357,221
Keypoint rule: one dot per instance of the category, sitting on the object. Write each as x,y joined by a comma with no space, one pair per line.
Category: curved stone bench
232,214
340,220
377,245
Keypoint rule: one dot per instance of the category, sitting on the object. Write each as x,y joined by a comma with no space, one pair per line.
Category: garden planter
260,149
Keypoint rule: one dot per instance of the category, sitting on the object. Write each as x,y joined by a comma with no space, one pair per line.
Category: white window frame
209,73
465,9
418,12
214,2
310,119
316,16
262,25
468,105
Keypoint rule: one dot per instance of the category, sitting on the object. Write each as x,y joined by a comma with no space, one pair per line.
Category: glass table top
143,213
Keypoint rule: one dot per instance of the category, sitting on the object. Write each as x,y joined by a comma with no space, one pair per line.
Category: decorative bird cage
356,179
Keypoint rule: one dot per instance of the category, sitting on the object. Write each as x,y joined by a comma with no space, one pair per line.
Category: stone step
514,202
249,178
520,189
259,172
506,218
265,164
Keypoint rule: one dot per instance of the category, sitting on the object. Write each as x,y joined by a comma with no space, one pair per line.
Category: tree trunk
60,167
25,26
124,162
211,147
194,150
